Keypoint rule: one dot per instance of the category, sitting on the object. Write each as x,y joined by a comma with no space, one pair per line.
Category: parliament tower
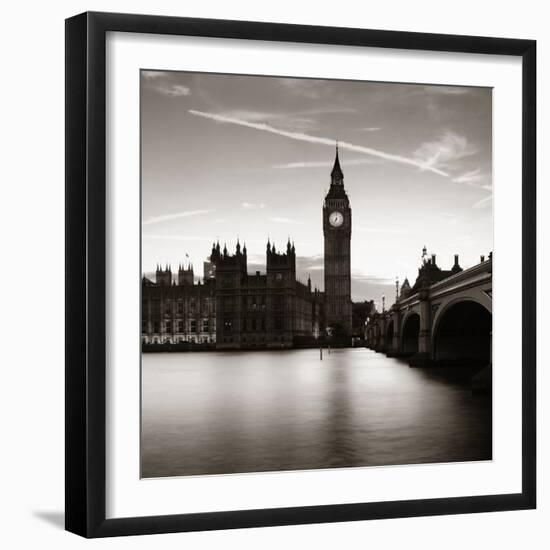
337,232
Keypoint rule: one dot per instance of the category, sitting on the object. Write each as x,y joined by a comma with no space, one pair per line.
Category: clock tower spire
337,176
337,233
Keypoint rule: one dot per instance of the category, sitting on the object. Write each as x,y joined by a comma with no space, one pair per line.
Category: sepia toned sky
227,156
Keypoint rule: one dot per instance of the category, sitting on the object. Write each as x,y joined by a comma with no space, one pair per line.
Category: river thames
228,412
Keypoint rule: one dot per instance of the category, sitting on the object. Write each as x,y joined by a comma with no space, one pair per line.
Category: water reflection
228,412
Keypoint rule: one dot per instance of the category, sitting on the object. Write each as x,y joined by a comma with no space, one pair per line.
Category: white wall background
32,263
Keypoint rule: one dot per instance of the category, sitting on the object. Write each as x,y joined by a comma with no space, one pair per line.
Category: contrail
299,136
321,164
176,215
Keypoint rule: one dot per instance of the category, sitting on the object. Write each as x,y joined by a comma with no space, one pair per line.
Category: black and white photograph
252,251
316,273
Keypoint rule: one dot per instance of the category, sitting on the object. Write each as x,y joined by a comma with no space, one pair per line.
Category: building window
278,276
193,325
180,307
205,325
227,325
180,326
168,326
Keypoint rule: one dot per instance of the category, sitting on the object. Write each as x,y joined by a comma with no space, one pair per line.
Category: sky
249,157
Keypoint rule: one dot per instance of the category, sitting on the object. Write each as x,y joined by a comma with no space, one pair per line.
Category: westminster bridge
445,318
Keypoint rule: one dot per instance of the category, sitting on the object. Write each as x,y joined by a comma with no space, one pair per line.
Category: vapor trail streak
299,136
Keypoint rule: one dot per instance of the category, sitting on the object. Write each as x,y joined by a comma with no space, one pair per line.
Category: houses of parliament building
234,309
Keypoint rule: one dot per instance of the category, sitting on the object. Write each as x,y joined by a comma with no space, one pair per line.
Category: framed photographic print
293,259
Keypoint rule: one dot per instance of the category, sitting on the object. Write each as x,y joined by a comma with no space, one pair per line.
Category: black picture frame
86,278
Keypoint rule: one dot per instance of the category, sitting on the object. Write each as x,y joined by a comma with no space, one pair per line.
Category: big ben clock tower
337,232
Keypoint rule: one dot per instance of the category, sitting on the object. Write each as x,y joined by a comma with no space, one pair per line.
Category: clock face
336,219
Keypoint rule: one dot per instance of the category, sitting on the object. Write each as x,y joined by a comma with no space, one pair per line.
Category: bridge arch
410,333
479,297
461,332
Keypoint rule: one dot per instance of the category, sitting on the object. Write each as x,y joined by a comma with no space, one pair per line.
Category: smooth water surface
227,412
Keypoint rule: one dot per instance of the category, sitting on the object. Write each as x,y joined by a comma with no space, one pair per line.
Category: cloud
298,120
386,230
337,109
175,238
317,259
473,178
288,121
173,90
443,151
160,82
176,215
153,75
252,206
252,116
312,89
289,221
369,129
320,164
470,177
416,162
305,119
446,90
483,203
313,266
367,278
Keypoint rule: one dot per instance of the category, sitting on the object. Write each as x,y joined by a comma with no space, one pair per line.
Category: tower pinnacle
337,176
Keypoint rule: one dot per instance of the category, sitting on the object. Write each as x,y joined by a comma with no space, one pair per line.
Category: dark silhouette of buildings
233,309
176,313
429,272
361,312
271,310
